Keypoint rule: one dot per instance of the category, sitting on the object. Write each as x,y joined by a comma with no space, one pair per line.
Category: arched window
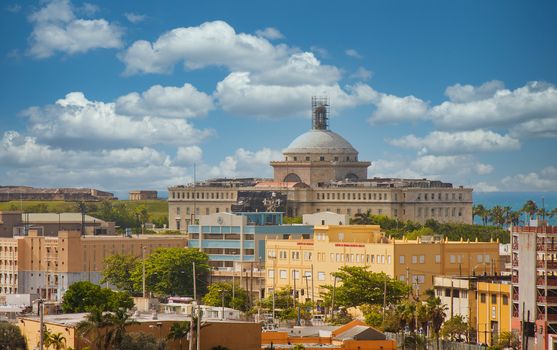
351,177
292,178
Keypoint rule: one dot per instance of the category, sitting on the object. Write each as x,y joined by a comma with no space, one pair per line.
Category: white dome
320,141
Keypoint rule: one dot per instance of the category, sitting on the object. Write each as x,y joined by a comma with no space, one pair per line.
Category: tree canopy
215,294
169,271
360,286
118,270
84,296
11,337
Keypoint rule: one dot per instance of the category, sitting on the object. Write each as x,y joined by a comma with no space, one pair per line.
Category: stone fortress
321,172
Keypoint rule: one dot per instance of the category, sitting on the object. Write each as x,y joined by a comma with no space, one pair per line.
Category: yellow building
309,263
48,265
493,311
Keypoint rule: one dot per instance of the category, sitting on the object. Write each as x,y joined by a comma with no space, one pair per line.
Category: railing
514,279
540,281
515,296
515,246
515,262
547,299
550,317
549,264
546,247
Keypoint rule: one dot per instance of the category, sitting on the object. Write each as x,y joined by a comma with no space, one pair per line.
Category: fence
410,342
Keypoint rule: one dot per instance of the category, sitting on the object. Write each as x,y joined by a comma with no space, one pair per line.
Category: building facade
309,263
142,195
534,284
49,224
320,172
26,193
47,266
483,302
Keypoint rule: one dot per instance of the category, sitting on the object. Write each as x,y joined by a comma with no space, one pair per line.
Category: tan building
321,172
18,223
231,334
307,262
36,264
142,195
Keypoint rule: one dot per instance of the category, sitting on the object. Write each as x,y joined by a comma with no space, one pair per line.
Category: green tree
118,320
423,231
142,215
373,315
509,340
436,312
529,208
455,328
169,271
139,341
362,218
83,296
178,331
94,328
392,321
284,304
497,214
215,294
298,347
11,337
360,286
57,341
118,270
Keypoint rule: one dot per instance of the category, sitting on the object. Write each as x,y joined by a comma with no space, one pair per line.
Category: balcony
546,247
552,299
550,317
515,245
548,264
514,279
540,281
515,296
515,263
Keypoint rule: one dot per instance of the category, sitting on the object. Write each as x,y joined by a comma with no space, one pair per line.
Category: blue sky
129,94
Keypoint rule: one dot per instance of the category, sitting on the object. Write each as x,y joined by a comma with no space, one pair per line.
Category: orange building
353,335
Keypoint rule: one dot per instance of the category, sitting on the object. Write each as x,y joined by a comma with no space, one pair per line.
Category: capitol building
320,171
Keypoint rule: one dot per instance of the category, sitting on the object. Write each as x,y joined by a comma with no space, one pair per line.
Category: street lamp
222,291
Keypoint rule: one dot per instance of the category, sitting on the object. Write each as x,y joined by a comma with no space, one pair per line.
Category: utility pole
40,305
384,297
333,299
312,291
198,331
143,262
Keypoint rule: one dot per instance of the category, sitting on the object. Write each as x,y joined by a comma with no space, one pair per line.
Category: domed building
320,172
320,155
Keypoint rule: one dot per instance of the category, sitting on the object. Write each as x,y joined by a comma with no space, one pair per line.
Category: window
307,274
482,298
447,292
321,158
296,274
178,211
480,258
414,259
295,255
437,259
401,259
307,158
388,259
307,256
494,298
452,259
422,259
282,254
505,300
271,274
402,278
282,274
320,276
271,253
456,293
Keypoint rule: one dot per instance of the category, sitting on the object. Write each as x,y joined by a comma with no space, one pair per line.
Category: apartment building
309,263
47,266
493,311
534,284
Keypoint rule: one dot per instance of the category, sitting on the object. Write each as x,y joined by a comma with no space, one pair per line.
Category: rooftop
320,141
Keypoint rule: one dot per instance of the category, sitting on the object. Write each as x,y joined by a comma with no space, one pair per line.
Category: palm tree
179,331
118,320
543,213
479,211
362,218
57,341
436,313
529,208
497,214
82,207
93,325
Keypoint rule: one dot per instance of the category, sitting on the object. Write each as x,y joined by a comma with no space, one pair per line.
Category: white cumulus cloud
134,17
395,109
352,53
77,120
543,180
165,101
245,163
270,33
189,154
56,29
441,142
211,43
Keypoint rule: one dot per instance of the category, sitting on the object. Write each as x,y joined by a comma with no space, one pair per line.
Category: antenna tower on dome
320,113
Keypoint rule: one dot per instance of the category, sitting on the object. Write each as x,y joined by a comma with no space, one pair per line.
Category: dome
320,141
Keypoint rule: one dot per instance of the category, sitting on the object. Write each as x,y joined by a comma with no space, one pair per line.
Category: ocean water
516,200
